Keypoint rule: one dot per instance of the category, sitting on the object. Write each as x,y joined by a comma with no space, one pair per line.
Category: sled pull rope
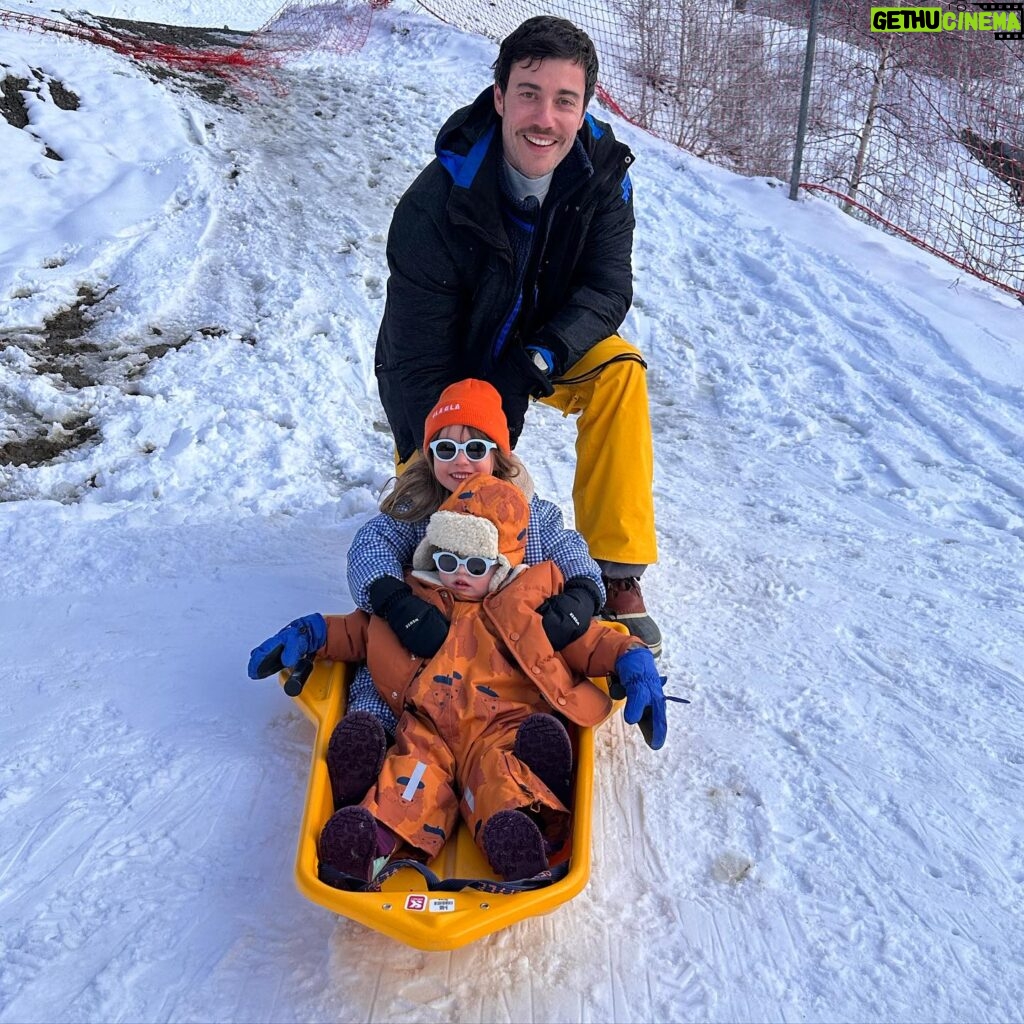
618,692
582,378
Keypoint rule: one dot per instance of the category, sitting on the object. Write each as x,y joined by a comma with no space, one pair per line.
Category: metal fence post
805,100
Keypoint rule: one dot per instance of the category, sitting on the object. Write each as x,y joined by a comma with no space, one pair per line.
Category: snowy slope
833,831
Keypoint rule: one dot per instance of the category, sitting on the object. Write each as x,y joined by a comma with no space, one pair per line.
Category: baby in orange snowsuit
476,733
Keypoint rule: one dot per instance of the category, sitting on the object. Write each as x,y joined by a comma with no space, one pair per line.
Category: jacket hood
485,516
522,479
464,139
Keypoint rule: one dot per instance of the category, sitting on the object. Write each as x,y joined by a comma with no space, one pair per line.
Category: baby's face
466,587
462,583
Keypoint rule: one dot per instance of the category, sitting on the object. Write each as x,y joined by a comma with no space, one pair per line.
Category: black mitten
517,379
566,616
533,376
419,626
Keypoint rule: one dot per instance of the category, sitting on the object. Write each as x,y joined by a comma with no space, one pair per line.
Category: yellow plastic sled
405,909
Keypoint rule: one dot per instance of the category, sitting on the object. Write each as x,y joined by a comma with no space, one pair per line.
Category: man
511,260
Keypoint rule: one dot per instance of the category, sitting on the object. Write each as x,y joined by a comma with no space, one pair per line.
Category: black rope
591,374
340,880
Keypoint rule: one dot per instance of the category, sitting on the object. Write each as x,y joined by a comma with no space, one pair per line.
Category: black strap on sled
339,880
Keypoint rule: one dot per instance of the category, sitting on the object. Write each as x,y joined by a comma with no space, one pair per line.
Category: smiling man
511,260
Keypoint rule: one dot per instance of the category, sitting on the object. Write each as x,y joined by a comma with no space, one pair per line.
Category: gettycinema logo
1002,20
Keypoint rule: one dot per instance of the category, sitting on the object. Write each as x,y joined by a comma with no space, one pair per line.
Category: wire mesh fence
920,134
304,26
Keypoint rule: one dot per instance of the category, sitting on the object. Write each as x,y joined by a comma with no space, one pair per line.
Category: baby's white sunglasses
476,565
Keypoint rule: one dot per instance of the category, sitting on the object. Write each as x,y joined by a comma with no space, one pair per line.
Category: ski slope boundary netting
299,27
921,134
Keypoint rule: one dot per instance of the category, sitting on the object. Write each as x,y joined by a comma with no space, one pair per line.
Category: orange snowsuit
459,711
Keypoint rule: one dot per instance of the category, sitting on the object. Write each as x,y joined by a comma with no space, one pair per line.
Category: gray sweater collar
521,186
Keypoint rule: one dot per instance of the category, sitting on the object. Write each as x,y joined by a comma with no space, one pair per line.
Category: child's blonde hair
417,494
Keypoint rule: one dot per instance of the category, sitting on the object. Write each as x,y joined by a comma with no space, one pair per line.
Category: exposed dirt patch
192,37
68,324
61,348
48,441
15,110
64,97
12,103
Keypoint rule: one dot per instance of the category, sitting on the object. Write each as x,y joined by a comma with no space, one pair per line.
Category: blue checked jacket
384,547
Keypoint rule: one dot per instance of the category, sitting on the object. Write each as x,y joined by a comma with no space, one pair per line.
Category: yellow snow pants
612,492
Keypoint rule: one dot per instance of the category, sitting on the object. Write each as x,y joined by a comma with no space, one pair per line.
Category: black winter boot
514,846
625,604
543,745
348,842
355,756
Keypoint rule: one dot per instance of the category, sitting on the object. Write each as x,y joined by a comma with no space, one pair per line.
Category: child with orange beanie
466,432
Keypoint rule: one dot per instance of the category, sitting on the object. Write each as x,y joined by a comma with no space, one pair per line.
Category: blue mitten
299,639
645,698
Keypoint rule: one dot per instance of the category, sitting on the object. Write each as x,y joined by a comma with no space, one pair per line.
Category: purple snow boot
348,842
543,745
354,843
514,846
355,756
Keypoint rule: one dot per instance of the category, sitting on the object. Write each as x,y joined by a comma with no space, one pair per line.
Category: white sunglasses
476,565
475,448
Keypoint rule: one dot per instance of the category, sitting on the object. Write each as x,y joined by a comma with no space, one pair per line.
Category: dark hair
418,494
545,36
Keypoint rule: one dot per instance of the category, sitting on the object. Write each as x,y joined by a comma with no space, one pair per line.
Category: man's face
541,111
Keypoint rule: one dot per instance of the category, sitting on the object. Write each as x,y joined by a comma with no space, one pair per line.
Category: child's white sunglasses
476,565
476,449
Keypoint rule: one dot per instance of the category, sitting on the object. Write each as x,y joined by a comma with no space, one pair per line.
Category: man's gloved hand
566,616
299,639
543,358
645,698
419,626
518,378
534,364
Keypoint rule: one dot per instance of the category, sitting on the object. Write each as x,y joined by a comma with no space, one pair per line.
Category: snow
833,831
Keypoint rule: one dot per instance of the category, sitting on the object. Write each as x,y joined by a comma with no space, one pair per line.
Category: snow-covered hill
833,831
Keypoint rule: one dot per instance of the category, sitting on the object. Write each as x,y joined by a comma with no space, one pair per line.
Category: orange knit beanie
469,403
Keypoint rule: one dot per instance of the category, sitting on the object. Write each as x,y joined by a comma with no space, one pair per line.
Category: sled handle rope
339,880
618,692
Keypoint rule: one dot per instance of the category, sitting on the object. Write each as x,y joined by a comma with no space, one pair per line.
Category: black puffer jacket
452,288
